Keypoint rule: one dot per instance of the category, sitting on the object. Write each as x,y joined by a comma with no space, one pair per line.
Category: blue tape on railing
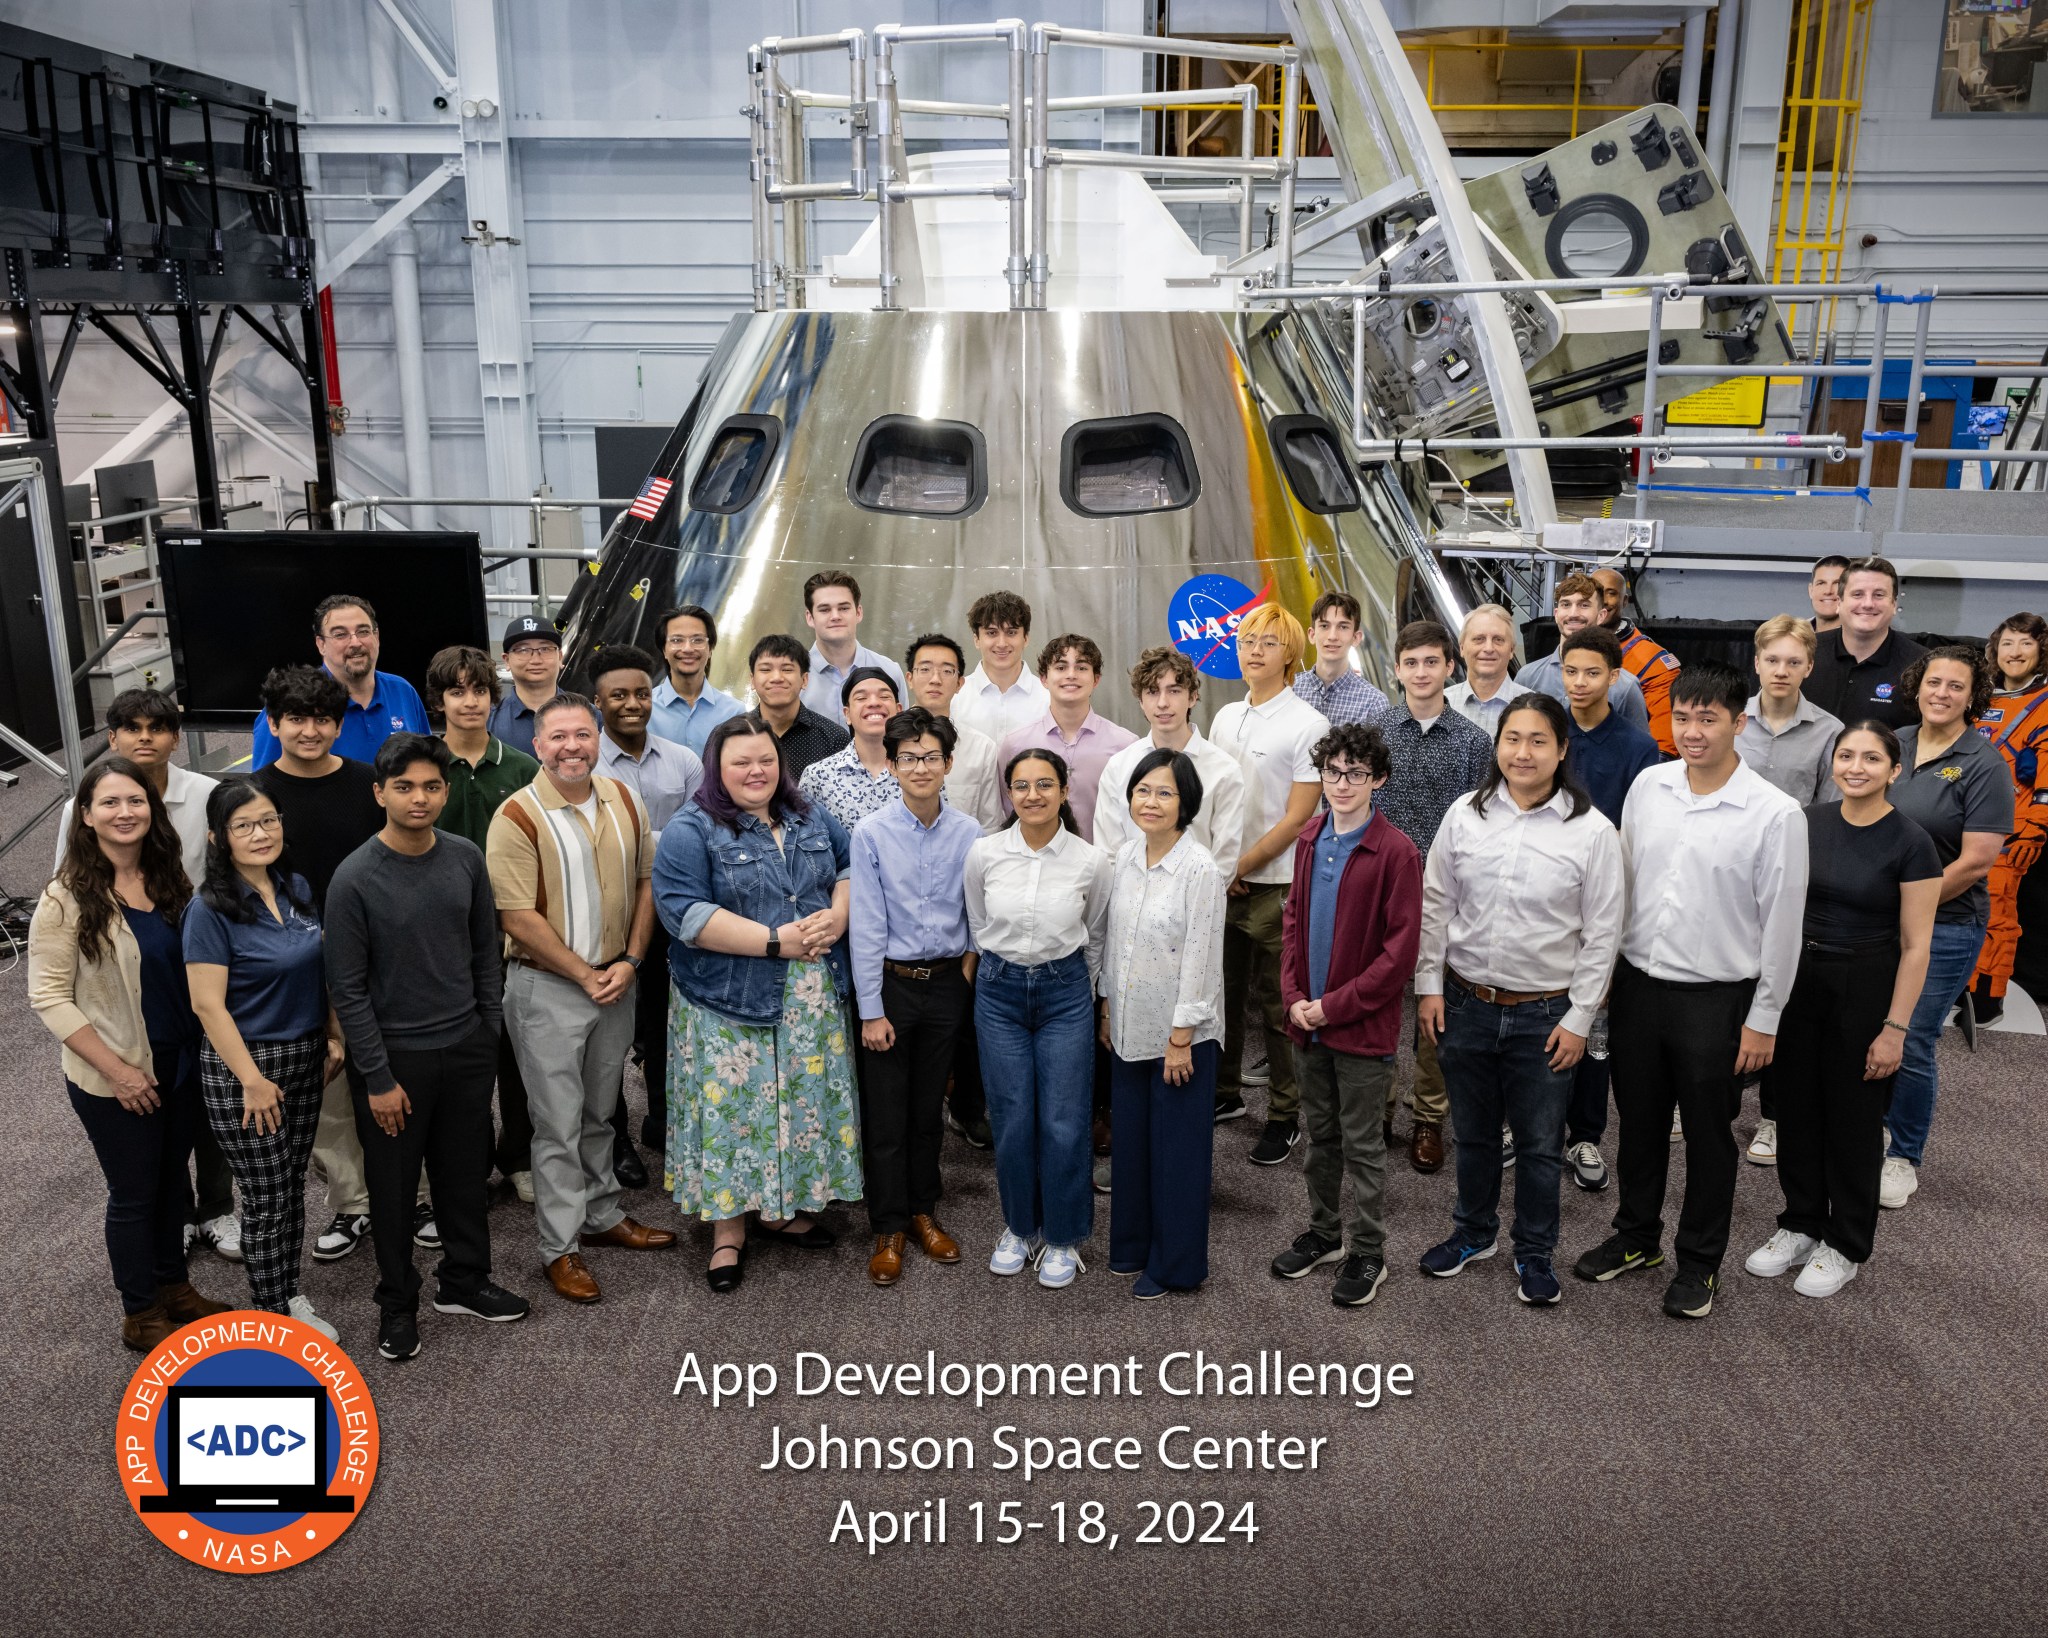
1747,490
1891,437
1903,301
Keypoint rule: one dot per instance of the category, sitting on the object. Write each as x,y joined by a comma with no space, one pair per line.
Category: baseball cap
527,626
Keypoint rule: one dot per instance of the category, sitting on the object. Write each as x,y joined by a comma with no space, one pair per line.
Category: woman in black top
1872,885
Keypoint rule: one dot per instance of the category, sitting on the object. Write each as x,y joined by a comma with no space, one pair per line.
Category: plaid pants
269,1167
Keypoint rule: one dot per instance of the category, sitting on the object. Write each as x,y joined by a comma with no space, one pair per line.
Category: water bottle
1596,1038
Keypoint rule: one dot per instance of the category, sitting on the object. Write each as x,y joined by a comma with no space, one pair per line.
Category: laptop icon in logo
254,1449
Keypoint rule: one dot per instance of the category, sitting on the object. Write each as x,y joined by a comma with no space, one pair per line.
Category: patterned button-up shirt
845,787
1435,763
1349,699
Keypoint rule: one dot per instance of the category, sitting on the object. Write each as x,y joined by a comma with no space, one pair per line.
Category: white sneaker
224,1234
1677,1127
1826,1274
1013,1253
522,1185
1896,1183
302,1311
1782,1251
1763,1148
1058,1265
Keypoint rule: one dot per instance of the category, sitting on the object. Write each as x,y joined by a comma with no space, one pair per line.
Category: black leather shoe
727,1276
815,1238
627,1166
653,1134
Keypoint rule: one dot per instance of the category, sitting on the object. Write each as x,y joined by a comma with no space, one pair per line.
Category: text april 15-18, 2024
1028,1453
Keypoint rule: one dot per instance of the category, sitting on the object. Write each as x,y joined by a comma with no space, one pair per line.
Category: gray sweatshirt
412,951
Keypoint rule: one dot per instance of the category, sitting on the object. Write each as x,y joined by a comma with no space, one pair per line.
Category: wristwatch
633,961
774,950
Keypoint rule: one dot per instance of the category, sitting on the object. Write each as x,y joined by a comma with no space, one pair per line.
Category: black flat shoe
815,1238
728,1277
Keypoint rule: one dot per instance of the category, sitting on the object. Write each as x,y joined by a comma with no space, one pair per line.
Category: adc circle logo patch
1202,618
247,1442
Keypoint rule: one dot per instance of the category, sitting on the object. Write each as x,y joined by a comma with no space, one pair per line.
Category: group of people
882,898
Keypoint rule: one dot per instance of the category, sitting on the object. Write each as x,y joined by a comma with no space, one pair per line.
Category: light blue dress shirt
821,691
909,902
690,725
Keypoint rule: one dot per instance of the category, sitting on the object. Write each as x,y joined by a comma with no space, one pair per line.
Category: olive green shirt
476,793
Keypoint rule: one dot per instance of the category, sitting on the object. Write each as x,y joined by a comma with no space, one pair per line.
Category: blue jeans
1036,1029
1495,1066
1951,959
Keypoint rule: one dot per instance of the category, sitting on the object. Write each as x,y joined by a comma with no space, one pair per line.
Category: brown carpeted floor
1870,1463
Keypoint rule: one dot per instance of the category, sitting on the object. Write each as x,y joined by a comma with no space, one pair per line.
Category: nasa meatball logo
1884,691
1202,620
247,1443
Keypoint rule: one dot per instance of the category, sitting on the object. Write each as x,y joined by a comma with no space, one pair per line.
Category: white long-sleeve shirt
1717,884
971,786
1524,901
1162,965
1031,907
1218,828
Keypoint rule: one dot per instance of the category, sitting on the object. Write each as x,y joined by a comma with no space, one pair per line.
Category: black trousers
903,1094
969,1101
650,1037
143,1158
1675,1044
450,1125
513,1151
1830,1119
215,1193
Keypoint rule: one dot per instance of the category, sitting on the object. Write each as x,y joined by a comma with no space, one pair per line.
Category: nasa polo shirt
1853,689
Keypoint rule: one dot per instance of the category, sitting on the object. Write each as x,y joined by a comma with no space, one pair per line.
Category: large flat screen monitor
240,601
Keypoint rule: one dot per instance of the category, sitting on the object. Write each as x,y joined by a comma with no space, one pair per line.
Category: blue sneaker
1057,1266
1536,1282
1147,1288
1013,1253
1448,1259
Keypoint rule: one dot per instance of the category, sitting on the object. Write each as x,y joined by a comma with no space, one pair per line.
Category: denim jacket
701,867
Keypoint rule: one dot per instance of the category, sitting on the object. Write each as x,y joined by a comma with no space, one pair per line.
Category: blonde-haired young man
1273,734
1785,736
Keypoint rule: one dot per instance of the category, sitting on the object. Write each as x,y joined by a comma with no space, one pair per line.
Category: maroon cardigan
1377,936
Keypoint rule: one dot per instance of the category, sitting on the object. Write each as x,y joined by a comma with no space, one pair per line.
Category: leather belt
599,966
926,970
1502,998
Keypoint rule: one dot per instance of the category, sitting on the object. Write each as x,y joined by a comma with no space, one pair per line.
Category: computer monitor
255,1450
129,488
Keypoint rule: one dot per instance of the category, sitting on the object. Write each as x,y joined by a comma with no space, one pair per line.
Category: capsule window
732,474
1314,462
927,468
1134,463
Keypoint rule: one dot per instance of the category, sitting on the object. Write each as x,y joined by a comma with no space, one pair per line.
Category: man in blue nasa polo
379,704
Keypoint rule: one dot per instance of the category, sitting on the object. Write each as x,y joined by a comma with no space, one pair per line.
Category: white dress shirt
1218,828
1162,965
1000,712
1486,713
185,794
1031,907
1717,884
1273,743
1525,901
664,776
972,784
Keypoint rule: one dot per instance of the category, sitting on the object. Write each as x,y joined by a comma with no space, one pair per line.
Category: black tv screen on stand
240,601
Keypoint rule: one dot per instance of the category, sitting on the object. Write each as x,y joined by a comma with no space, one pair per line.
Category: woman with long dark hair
1956,788
106,978
751,882
1522,910
1872,884
254,963
1038,907
2016,723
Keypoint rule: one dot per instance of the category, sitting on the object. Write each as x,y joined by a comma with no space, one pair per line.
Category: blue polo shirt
395,708
512,721
277,984
1333,853
1607,760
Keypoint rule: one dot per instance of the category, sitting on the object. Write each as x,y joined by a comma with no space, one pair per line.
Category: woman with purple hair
751,883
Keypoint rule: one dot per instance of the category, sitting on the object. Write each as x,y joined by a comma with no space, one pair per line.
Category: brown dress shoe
934,1241
633,1236
145,1330
885,1267
1426,1147
185,1305
570,1275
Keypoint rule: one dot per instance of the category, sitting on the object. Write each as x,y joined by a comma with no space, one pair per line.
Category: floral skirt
763,1117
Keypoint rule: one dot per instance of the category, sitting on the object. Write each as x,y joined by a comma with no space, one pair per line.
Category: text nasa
1179,1375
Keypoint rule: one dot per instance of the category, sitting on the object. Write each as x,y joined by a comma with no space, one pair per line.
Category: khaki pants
1431,1103
1251,967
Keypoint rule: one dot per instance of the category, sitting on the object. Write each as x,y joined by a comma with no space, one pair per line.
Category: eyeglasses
1041,787
1258,645
529,648
1347,776
336,634
927,668
239,828
689,642
920,759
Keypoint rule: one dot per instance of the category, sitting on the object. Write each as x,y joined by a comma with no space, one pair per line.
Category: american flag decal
652,494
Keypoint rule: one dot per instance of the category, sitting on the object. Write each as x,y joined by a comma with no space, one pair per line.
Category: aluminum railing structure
23,482
1663,444
783,191
495,557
